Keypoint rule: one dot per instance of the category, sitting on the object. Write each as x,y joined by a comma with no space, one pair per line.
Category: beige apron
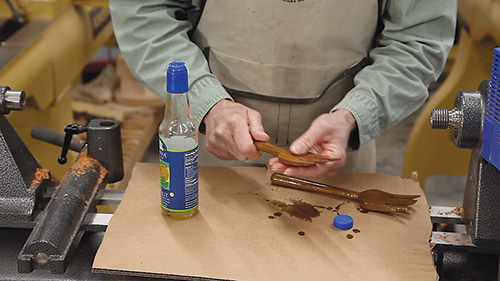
290,60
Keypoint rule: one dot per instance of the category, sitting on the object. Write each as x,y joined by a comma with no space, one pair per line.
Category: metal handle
56,138
70,130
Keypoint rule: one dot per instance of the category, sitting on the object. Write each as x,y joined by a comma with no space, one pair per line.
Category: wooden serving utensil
287,158
369,200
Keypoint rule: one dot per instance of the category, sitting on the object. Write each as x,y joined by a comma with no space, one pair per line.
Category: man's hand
230,130
328,135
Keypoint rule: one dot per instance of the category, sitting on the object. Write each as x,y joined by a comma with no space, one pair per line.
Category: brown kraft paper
239,234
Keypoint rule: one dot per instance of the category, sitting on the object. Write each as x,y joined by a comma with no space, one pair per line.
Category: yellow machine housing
45,58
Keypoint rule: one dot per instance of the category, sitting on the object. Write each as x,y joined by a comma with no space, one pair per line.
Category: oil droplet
349,236
338,206
301,233
356,230
277,214
271,217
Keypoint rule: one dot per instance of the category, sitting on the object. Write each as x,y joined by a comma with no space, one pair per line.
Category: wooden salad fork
286,157
369,200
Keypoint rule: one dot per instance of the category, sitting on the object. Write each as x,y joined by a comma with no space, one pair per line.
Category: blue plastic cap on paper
177,77
343,222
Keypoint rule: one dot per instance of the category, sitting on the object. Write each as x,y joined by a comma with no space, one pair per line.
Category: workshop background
62,53
80,75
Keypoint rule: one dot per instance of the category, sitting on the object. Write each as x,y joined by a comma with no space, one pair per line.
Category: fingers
305,142
332,128
242,147
310,139
255,126
230,144
244,135
328,169
331,150
230,128
328,136
215,143
276,166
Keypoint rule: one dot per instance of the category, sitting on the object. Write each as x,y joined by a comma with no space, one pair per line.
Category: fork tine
400,201
388,201
375,196
393,195
383,208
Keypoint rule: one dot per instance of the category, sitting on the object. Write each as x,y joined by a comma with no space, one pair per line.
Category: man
326,76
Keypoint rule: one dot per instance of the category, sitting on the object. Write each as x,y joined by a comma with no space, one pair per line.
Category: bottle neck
176,107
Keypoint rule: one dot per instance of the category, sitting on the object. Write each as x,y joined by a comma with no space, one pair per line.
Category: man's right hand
230,129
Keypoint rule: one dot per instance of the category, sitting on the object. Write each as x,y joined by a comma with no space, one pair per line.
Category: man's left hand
328,135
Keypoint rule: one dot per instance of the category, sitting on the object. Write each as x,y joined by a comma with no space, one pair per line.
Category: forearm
150,36
410,54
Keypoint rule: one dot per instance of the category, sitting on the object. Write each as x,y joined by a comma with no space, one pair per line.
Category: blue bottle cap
177,78
343,222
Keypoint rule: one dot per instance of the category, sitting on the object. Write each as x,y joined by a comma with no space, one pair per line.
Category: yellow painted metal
93,3
431,152
37,9
47,69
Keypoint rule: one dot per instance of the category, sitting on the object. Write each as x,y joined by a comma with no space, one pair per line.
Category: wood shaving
458,210
443,237
86,162
83,162
469,241
40,175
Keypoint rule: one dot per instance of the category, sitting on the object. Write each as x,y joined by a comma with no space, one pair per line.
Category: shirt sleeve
152,34
409,54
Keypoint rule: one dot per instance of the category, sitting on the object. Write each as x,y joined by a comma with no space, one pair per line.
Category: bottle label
179,178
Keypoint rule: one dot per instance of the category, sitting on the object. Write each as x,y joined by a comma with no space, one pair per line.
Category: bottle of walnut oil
178,140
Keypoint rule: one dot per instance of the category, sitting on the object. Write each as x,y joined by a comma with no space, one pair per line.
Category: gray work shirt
410,51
